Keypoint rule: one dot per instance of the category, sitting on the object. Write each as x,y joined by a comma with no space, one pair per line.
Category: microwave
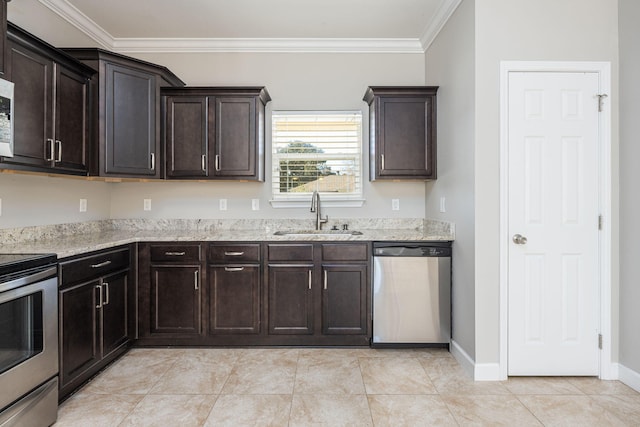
6,119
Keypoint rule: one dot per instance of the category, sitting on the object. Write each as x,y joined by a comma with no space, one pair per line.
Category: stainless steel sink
318,232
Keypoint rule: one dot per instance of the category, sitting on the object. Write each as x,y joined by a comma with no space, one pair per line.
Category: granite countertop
83,238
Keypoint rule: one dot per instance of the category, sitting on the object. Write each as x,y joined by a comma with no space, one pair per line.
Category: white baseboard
629,377
477,371
463,358
487,372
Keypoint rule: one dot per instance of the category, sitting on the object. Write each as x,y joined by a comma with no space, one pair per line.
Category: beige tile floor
333,387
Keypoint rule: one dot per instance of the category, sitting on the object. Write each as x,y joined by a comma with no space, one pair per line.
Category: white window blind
317,151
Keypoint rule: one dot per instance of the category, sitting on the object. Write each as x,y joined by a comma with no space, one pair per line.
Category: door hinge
601,97
599,222
600,341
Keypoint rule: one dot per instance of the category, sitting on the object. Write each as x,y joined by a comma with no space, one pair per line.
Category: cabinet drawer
93,266
290,252
345,252
175,253
232,253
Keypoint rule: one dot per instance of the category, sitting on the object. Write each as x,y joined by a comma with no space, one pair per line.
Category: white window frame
289,200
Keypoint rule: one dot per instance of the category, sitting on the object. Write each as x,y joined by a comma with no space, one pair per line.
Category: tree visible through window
317,152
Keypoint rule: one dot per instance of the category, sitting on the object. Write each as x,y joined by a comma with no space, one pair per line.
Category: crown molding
270,45
267,45
444,12
82,22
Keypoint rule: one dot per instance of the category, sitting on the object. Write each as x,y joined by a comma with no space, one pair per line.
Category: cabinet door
71,121
344,299
235,137
114,312
131,138
175,299
234,299
32,75
3,34
404,138
290,299
79,329
186,136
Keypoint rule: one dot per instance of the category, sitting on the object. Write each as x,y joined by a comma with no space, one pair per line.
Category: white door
553,279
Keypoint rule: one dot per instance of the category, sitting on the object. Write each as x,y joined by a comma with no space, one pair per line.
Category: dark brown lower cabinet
94,314
252,293
344,299
290,291
114,312
175,299
234,299
318,293
79,330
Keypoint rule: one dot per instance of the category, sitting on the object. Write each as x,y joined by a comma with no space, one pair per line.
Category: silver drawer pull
106,288
52,150
102,264
99,288
325,280
196,281
233,268
234,253
174,253
309,279
59,155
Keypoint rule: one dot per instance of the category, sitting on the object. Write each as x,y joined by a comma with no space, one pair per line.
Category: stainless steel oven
28,340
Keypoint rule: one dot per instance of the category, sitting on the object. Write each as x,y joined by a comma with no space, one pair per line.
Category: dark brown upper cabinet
402,132
3,34
51,107
215,133
126,111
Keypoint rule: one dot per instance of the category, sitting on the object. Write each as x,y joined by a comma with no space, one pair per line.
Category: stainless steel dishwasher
411,293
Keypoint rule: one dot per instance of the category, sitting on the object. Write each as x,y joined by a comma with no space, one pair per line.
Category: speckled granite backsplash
48,232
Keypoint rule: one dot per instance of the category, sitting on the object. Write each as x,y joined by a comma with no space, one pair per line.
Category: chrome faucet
315,207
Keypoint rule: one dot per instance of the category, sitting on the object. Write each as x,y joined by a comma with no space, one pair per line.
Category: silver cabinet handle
309,279
519,239
325,280
233,253
106,288
153,161
99,288
174,253
217,162
195,280
382,161
101,264
233,268
204,163
59,155
51,150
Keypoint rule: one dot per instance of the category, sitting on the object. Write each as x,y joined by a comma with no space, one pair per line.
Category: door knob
519,239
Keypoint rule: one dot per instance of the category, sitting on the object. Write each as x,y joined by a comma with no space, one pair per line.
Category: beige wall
37,200
543,30
450,64
629,16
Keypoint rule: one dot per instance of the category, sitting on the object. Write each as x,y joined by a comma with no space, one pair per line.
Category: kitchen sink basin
318,233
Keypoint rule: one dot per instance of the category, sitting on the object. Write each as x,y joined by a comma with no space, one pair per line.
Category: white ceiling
247,25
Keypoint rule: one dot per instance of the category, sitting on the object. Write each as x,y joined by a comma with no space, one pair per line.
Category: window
317,151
